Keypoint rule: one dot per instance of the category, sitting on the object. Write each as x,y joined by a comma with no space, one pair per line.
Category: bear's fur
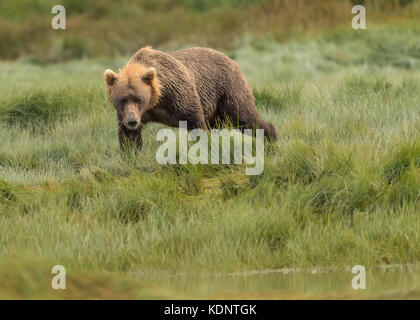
199,85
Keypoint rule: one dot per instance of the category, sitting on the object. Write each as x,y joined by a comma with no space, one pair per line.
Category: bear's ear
110,77
149,75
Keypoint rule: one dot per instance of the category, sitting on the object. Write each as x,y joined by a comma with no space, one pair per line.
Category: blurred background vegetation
115,28
340,188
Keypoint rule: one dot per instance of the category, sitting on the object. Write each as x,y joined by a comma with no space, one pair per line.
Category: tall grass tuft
37,107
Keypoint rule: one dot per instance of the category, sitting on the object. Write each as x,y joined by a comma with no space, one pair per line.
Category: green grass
106,28
340,188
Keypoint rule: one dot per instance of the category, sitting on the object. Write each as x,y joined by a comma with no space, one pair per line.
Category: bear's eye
136,100
123,101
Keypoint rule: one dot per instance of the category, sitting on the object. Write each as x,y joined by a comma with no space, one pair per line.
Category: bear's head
133,91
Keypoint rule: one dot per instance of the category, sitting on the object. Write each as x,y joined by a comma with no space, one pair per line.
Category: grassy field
108,28
340,188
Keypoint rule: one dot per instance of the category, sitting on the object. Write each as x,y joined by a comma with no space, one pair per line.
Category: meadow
341,187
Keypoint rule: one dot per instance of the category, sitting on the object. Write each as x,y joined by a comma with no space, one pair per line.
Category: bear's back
209,67
213,75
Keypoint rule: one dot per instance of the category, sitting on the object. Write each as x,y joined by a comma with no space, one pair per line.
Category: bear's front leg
130,138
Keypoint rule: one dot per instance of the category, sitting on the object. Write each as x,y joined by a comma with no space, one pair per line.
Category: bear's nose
132,122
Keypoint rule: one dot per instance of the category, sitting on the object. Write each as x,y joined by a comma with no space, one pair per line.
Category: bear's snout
132,121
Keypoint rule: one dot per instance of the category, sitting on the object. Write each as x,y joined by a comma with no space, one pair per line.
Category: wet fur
201,86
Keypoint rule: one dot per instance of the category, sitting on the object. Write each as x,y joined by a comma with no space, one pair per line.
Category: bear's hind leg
247,119
270,132
239,108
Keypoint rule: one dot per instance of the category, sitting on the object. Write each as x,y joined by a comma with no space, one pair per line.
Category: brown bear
198,85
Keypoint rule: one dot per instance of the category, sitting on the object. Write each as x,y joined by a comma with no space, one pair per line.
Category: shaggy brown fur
199,85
